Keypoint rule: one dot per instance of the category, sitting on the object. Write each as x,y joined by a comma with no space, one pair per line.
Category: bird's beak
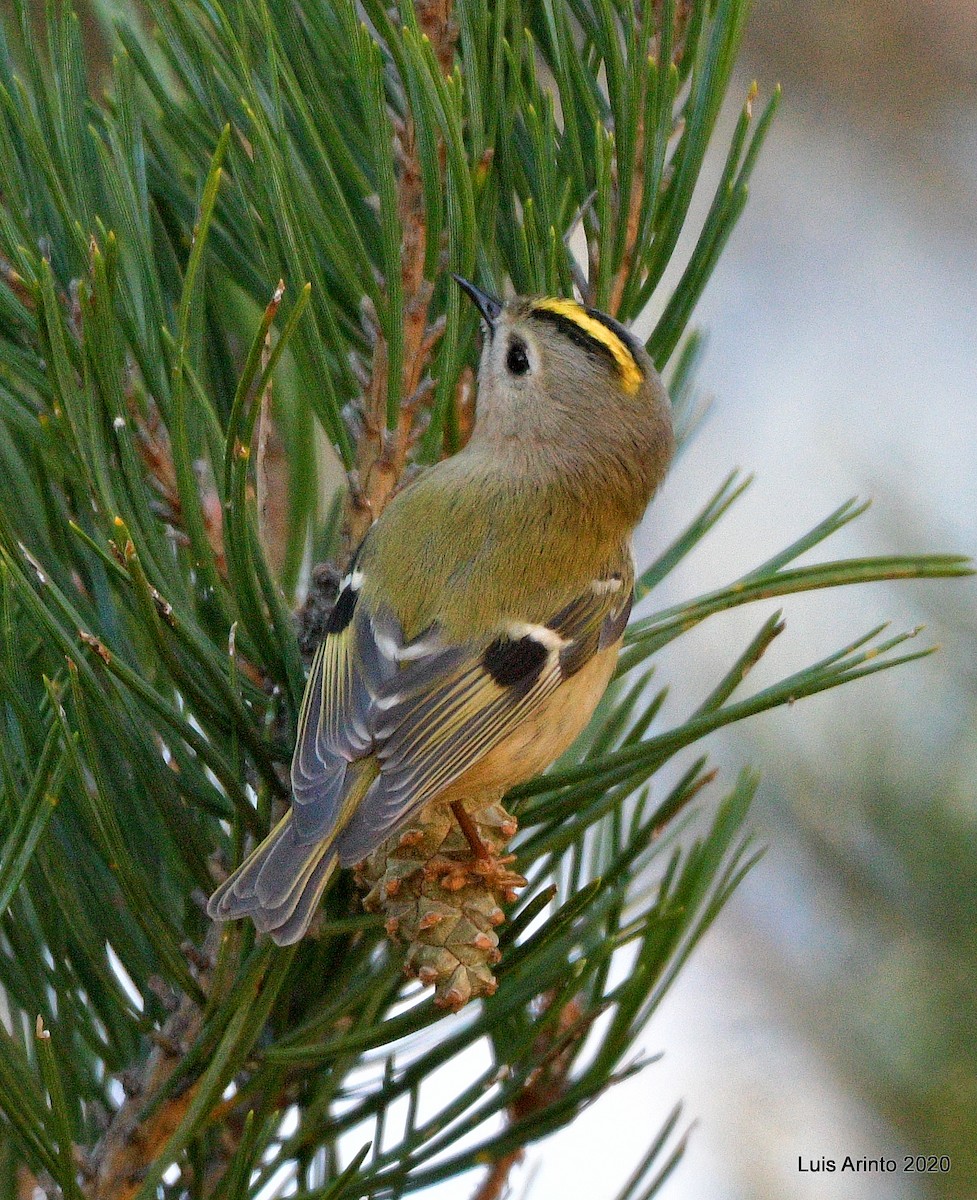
487,305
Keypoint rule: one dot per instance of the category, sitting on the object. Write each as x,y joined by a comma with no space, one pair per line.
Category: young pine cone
445,900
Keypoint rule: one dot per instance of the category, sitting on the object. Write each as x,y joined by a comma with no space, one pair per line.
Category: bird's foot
485,866
489,871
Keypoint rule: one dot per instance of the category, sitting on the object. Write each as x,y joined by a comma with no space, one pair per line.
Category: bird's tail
279,885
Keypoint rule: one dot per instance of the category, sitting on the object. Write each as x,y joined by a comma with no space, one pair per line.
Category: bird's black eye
517,358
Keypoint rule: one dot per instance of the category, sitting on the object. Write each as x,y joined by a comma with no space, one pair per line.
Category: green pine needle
150,675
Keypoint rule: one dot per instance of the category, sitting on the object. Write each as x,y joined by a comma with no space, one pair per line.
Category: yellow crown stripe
629,370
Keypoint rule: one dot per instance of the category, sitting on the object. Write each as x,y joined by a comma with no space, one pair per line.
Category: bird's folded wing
427,709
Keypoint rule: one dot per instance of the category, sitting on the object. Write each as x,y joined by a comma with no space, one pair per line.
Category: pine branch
198,273
152,1110
392,407
554,1055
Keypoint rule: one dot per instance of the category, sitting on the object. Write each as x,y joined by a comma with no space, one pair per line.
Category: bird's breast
540,739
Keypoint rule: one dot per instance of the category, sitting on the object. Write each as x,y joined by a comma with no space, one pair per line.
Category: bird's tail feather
279,885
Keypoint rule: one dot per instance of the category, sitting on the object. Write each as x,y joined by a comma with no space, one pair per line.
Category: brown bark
629,209
554,1051
141,1126
382,452
633,216
494,1185
271,474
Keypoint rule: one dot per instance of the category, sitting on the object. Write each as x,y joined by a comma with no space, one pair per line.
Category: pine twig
142,1124
156,452
634,212
271,477
494,1184
554,1052
381,453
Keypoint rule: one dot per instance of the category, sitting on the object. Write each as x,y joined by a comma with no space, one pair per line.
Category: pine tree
224,289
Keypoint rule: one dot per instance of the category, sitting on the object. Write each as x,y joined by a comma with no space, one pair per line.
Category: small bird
482,615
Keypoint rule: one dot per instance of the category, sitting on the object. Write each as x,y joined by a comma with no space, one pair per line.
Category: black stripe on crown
632,344
586,341
580,337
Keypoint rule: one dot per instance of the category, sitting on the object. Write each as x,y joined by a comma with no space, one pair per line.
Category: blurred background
832,1008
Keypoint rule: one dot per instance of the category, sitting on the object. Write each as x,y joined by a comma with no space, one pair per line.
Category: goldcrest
481,618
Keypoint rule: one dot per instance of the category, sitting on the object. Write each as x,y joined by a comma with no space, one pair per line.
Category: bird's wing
427,709
352,671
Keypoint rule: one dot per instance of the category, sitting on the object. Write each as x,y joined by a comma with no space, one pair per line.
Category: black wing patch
515,662
343,610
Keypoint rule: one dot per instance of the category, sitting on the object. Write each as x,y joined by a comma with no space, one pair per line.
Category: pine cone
443,901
